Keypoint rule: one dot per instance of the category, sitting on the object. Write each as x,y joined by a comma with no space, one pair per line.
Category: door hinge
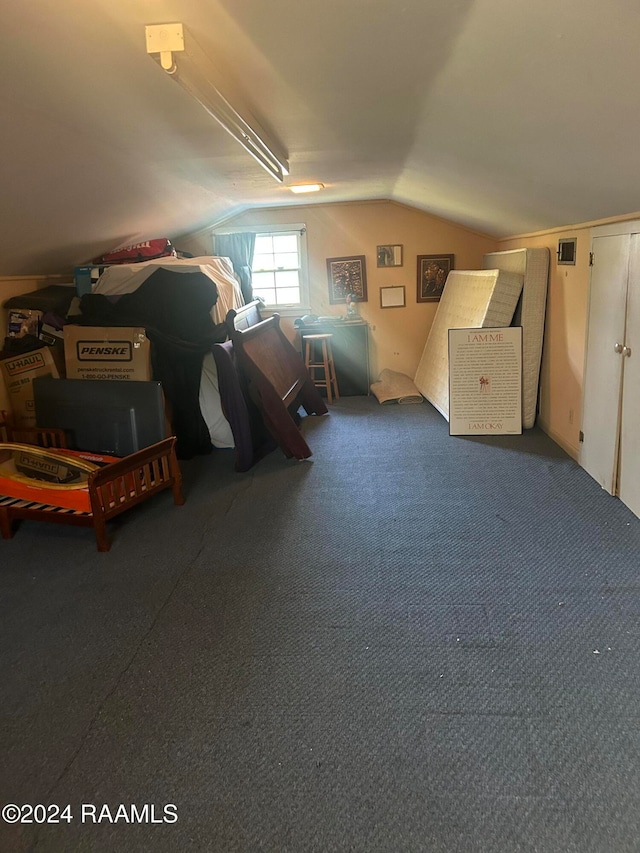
581,437
591,258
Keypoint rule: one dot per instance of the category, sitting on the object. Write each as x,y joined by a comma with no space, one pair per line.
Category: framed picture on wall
347,276
432,275
392,297
389,255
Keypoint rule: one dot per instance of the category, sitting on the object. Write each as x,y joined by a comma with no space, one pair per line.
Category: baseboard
574,452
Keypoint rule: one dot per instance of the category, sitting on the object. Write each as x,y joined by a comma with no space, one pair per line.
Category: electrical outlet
570,416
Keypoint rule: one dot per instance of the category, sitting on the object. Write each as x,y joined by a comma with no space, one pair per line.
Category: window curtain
238,247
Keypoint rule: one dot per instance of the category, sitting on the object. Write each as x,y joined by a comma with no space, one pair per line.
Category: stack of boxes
18,373
20,363
77,352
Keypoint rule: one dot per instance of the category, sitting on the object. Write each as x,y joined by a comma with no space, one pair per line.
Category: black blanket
175,310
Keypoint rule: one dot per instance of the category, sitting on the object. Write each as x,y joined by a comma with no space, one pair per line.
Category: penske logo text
112,351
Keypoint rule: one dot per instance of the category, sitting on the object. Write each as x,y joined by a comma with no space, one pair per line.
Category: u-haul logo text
112,351
24,364
42,466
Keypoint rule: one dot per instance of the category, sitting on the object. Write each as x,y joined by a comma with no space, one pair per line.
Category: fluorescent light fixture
306,188
197,76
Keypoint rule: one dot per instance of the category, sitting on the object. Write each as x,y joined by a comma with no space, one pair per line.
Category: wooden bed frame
241,318
30,435
278,381
113,489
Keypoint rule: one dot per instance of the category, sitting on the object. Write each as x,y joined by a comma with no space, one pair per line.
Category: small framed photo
432,274
389,255
347,276
392,297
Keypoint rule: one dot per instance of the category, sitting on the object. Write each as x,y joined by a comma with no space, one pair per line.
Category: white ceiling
504,115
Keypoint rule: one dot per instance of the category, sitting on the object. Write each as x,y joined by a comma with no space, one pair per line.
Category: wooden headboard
243,318
278,381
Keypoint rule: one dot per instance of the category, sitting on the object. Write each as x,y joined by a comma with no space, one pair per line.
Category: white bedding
210,405
125,278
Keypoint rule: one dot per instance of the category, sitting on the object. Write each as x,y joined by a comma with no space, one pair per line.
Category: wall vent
567,251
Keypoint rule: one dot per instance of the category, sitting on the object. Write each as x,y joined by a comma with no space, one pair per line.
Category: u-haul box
107,352
18,373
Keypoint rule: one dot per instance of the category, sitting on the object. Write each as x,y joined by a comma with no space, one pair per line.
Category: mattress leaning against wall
533,265
473,299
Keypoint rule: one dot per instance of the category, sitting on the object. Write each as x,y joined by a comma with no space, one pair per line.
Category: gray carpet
411,643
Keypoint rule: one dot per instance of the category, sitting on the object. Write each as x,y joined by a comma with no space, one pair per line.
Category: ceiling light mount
196,75
165,39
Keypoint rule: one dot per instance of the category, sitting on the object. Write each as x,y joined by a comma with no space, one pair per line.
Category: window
278,268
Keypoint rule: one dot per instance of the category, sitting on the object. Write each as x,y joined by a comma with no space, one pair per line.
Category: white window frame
300,229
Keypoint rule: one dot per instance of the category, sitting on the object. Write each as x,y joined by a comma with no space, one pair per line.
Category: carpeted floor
410,643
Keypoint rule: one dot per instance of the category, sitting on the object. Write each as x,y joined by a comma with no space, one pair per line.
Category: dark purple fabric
251,438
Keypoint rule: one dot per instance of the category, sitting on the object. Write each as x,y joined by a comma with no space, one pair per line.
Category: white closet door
629,478
603,369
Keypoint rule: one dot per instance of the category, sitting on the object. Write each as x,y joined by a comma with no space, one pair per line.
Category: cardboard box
107,352
18,373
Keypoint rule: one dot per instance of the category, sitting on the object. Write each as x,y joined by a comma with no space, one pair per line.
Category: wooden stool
313,363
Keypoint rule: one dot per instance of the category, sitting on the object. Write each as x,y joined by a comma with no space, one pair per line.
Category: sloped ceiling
507,117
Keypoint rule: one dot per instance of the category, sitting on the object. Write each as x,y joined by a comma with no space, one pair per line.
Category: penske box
18,373
107,352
